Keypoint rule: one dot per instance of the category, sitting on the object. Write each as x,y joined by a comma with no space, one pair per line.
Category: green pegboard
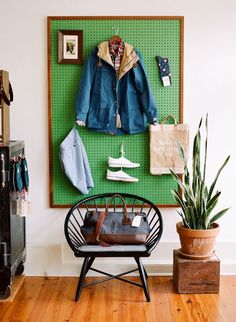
153,36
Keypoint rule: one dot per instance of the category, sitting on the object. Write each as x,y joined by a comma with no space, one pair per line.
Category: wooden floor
52,300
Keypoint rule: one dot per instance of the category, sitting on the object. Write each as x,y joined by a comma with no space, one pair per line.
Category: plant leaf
181,152
186,176
218,215
205,152
196,160
217,176
212,202
178,198
177,179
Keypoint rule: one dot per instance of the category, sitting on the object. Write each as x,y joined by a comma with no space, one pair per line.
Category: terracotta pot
197,243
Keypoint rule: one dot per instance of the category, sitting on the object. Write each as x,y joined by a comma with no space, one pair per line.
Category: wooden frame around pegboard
153,36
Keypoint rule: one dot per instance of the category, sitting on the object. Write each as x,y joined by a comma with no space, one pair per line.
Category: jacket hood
129,58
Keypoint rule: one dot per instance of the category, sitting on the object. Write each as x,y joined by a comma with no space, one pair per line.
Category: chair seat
114,248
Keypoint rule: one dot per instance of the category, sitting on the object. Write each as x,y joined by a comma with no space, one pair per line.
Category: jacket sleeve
145,92
85,86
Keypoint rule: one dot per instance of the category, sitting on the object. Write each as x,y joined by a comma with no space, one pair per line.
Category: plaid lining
116,51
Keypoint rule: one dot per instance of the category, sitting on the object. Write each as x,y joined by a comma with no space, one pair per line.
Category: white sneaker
120,176
122,163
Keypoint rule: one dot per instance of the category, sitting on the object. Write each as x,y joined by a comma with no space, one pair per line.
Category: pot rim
198,232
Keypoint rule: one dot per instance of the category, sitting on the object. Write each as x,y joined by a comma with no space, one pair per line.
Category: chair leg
90,263
146,275
83,273
143,273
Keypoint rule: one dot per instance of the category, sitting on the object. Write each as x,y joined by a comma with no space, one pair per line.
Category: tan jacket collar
129,58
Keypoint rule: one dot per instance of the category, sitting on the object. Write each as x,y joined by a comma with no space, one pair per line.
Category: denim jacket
104,94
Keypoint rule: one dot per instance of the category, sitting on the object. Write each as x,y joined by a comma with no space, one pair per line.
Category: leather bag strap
126,220
101,217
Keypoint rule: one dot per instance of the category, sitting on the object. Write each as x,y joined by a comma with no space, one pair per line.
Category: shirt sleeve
84,90
145,92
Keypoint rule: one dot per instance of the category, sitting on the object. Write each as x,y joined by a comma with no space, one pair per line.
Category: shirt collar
116,48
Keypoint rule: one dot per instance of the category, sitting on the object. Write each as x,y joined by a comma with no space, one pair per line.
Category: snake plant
197,200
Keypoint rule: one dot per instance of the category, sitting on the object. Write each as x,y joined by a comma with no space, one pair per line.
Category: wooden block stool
196,275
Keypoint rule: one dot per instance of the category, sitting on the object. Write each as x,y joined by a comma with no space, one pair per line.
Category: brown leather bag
115,227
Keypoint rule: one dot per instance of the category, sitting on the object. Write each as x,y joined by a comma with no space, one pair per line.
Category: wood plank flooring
51,299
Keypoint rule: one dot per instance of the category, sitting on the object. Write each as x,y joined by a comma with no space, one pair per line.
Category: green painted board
153,36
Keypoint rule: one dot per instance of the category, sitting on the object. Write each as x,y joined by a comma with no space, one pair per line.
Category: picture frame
70,46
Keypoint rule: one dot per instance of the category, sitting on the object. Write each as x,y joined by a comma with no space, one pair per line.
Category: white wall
209,86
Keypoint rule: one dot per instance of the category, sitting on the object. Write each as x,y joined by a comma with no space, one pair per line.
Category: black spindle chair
74,221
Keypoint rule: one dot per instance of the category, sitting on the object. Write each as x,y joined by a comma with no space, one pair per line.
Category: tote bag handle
168,117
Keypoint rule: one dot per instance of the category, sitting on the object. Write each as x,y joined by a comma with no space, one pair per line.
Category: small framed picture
70,46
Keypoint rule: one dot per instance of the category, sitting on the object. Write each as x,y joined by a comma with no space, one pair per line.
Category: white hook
116,30
122,149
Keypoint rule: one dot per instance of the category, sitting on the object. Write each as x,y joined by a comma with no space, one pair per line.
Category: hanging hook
116,30
122,149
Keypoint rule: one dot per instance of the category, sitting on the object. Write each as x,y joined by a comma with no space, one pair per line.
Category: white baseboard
58,260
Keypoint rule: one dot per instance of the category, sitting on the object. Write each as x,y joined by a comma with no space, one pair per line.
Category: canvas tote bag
164,150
